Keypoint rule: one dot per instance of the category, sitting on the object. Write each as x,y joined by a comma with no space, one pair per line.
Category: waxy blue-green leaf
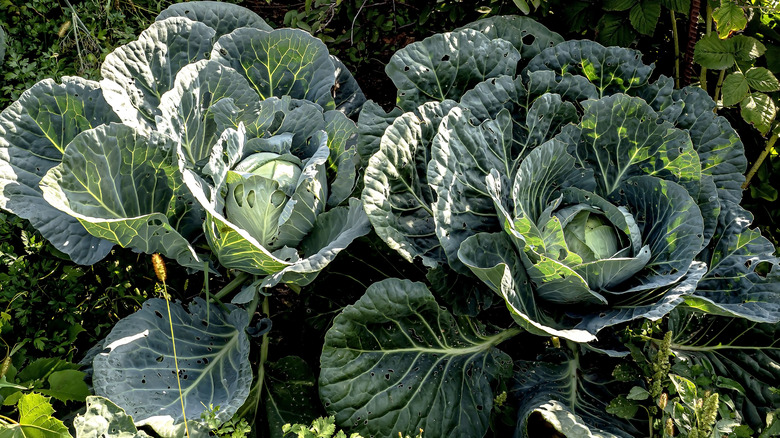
137,74
526,34
494,260
462,155
610,69
136,368
34,132
444,66
186,110
222,17
125,187
397,361
619,137
570,391
343,159
104,419
720,150
732,286
283,62
371,127
334,230
670,224
347,95
533,124
396,195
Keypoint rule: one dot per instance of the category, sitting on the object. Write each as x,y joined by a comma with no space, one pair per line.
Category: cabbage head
581,192
212,138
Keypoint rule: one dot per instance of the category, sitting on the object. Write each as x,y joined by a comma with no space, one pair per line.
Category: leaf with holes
137,366
397,361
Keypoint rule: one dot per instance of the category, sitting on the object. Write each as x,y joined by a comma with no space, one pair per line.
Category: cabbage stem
233,285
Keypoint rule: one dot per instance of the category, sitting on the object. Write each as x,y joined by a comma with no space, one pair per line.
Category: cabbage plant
149,157
213,140
585,195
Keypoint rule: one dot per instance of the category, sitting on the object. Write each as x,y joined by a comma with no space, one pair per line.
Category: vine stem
676,38
769,145
263,355
693,24
719,87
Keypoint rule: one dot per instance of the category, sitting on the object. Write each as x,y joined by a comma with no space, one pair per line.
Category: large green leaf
347,95
35,420
136,368
282,62
222,17
125,187
444,66
644,16
333,231
759,110
732,286
610,69
526,34
34,132
735,88
733,348
720,150
371,127
396,361
343,159
619,137
137,74
569,391
104,419
396,196
186,110
494,260
462,156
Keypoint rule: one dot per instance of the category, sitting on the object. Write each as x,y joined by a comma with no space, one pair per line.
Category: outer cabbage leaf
284,62
125,187
396,196
610,69
342,160
494,260
732,287
463,155
444,66
222,17
34,132
347,95
526,34
618,137
137,370
372,123
396,361
570,393
137,74
733,348
721,152
105,419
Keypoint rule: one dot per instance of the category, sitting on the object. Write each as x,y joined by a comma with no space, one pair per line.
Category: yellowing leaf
729,18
